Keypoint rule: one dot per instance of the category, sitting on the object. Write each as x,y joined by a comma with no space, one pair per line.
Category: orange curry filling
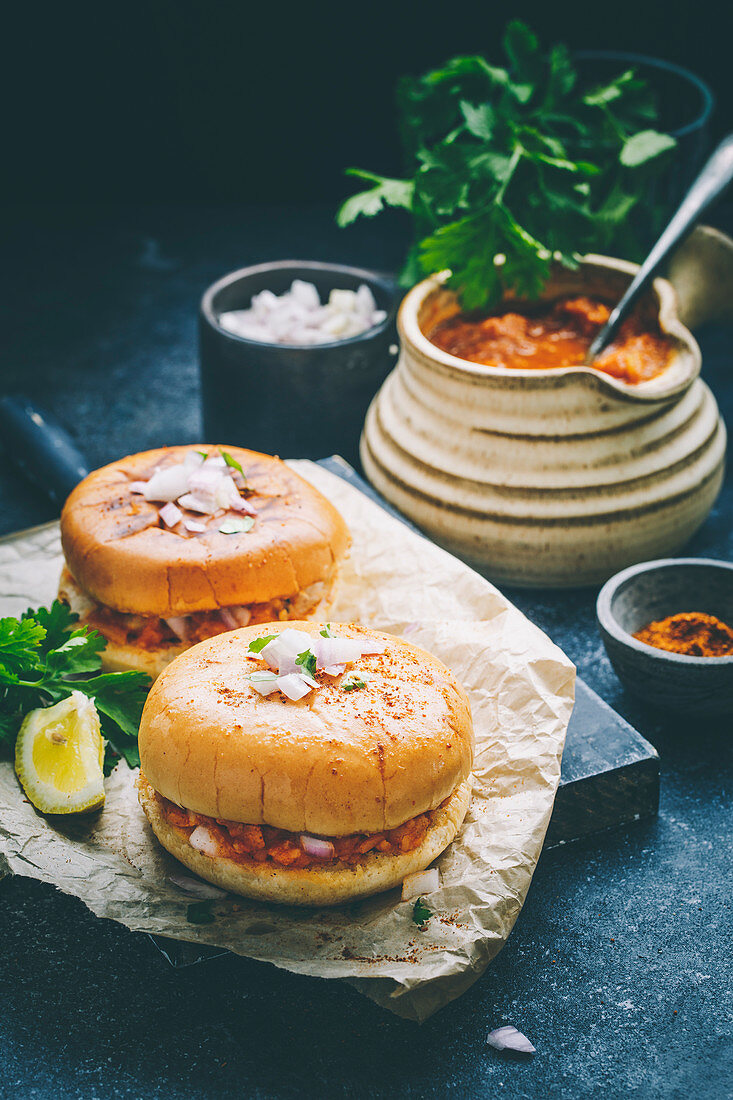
260,843
150,632
558,336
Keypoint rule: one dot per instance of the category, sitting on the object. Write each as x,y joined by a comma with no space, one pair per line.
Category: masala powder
692,633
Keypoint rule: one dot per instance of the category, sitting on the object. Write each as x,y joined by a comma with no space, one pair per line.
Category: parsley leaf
259,643
44,656
326,631
421,914
354,685
307,661
511,167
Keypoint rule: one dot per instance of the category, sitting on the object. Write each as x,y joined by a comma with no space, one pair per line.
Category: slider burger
308,765
169,547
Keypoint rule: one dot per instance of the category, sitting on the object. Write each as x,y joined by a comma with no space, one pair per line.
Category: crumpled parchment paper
521,691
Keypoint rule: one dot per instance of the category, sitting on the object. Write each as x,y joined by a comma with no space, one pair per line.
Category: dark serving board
610,774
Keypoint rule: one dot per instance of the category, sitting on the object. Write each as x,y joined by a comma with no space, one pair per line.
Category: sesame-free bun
314,885
120,552
334,763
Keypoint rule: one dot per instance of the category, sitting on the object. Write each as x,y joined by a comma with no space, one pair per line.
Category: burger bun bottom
311,885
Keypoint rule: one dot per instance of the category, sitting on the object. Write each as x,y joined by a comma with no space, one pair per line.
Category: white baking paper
521,691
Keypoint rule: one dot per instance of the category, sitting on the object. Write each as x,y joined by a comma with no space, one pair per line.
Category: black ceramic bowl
285,399
652,591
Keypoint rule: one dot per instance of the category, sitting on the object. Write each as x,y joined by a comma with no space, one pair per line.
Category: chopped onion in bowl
204,841
420,883
319,849
508,1038
171,514
298,317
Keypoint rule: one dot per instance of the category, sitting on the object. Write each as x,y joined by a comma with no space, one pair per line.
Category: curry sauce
558,335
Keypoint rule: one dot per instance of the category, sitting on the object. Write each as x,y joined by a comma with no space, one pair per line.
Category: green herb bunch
44,656
512,168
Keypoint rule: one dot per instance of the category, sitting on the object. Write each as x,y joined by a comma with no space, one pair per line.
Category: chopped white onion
508,1038
138,486
168,483
298,317
241,505
192,461
228,619
287,645
194,526
178,625
336,651
171,514
420,883
293,686
204,481
334,670
242,615
197,504
204,841
319,849
195,888
264,683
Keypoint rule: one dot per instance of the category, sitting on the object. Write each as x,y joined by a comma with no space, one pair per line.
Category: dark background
181,100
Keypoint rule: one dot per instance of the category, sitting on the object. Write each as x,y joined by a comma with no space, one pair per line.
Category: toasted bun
121,554
311,885
333,763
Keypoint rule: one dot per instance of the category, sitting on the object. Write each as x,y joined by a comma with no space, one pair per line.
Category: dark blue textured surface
619,966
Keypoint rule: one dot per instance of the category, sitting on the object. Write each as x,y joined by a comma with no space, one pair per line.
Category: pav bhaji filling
557,335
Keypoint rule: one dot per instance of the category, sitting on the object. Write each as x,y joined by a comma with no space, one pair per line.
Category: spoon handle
713,179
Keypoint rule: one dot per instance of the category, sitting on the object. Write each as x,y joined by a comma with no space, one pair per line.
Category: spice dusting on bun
166,548
306,797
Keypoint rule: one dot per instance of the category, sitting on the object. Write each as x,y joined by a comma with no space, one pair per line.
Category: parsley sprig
44,656
512,167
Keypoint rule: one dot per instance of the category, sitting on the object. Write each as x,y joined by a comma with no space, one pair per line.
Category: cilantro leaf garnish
199,912
307,661
44,656
421,914
326,631
512,167
240,525
354,685
204,454
259,644
232,462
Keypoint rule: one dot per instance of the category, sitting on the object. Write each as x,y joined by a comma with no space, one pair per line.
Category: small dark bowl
651,591
285,399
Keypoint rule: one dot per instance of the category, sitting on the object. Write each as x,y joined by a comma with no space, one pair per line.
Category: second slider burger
166,548
309,765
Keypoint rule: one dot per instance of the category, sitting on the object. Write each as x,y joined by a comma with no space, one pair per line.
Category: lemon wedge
59,754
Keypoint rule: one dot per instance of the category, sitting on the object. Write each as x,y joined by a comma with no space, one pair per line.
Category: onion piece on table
195,888
508,1038
316,847
420,883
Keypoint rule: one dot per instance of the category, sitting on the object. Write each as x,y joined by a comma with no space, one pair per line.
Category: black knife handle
40,448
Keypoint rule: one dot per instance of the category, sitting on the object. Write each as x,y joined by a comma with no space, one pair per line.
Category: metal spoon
712,181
